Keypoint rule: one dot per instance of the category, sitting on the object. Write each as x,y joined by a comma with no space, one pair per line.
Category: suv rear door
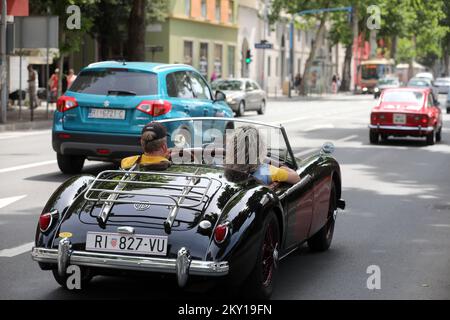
107,99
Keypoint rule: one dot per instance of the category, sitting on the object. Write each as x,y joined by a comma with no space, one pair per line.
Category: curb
30,125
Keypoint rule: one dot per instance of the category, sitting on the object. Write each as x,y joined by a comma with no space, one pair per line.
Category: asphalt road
397,216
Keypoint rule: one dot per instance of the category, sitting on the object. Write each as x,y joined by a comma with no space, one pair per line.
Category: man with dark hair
154,144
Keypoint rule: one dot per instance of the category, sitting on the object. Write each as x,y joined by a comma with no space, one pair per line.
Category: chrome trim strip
220,119
116,261
182,266
402,128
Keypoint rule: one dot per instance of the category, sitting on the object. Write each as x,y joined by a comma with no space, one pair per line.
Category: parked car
102,114
442,85
423,83
406,112
385,83
192,219
242,95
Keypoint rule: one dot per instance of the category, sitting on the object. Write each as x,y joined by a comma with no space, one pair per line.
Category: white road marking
9,253
353,136
27,166
440,225
7,201
9,135
319,127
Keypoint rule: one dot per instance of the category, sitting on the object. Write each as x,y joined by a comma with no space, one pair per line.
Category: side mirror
327,148
220,96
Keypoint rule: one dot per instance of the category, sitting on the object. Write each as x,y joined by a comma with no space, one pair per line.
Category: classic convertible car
192,219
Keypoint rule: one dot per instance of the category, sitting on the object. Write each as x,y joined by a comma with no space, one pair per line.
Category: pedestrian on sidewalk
70,78
338,83
33,86
334,84
297,82
53,86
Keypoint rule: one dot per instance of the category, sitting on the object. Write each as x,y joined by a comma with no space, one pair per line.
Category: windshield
388,82
228,85
403,96
418,83
207,133
115,82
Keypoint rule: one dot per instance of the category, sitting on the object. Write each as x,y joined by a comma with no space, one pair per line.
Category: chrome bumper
182,266
401,128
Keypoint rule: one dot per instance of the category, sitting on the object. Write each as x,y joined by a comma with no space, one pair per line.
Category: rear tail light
46,220
65,103
155,107
424,120
221,232
374,117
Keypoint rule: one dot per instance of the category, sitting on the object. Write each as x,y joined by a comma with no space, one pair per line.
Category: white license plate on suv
399,118
120,243
106,113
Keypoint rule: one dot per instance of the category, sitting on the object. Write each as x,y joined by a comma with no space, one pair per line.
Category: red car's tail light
65,103
424,120
374,117
221,232
155,107
46,220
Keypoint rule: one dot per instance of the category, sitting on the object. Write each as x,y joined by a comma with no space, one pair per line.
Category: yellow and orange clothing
268,174
144,160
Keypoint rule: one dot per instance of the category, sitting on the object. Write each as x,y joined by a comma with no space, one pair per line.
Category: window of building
269,71
218,60
203,8
231,11
299,64
218,11
203,61
277,69
187,7
231,59
188,52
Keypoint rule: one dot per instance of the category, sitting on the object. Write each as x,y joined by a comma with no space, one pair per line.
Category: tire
431,138
86,277
439,135
448,110
70,164
241,109
321,241
262,108
374,137
260,282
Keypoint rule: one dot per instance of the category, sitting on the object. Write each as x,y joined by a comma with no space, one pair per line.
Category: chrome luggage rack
108,188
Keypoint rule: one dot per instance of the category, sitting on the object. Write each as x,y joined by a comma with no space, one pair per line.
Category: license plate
136,244
399,118
106,114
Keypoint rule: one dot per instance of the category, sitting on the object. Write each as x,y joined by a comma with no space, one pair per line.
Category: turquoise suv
100,117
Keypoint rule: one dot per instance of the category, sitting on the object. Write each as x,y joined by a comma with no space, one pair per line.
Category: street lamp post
4,94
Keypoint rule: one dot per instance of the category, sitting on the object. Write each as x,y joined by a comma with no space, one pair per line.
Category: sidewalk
309,97
20,120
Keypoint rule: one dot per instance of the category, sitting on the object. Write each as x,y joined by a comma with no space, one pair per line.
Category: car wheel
70,164
374,137
241,109
261,281
431,138
439,135
86,277
321,241
448,110
262,108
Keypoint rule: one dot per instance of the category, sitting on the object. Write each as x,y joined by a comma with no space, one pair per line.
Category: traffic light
248,57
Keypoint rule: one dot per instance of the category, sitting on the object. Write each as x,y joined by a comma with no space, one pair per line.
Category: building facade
201,33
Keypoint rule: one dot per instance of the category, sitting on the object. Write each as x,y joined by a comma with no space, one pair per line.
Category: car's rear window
403,96
232,85
420,83
116,81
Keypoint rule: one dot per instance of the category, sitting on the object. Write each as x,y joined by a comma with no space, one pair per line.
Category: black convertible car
191,220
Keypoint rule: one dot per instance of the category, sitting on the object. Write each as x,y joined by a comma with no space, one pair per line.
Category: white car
442,85
427,75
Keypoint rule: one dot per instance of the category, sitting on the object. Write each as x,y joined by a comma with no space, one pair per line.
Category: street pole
4,95
263,72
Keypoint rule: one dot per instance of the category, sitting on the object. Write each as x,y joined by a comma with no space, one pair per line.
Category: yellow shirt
127,163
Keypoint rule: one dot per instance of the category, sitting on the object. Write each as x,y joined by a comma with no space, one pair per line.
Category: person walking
334,84
297,82
53,85
32,86
70,78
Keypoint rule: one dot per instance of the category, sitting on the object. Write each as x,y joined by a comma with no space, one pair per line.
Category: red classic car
406,112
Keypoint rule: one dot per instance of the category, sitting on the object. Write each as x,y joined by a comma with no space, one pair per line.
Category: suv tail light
221,232
65,103
155,107
46,220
